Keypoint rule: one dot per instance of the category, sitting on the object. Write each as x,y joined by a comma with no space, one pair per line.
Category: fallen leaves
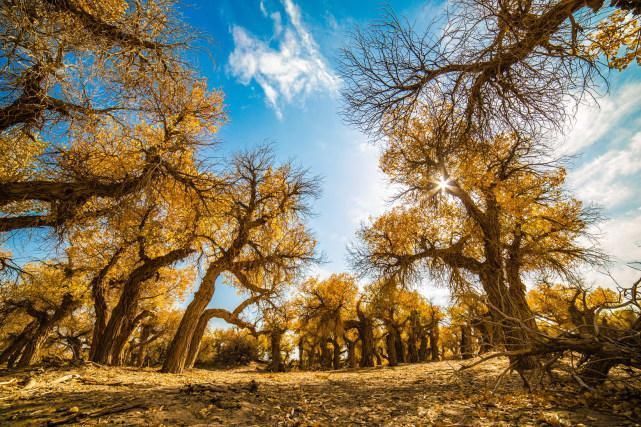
421,394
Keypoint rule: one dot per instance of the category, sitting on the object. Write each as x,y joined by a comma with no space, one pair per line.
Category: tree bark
434,343
326,354
301,353
466,342
276,364
45,325
14,349
390,343
179,347
351,353
423,348
124,311
100,302
336,361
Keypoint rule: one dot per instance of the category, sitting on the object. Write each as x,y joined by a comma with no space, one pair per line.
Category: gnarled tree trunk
179,348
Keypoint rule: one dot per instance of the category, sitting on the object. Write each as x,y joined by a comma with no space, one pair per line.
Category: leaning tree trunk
13,351
179,348
46,324
120,317
118,348
124,311
196,340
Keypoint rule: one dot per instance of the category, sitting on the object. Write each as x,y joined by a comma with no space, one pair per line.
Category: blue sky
275,60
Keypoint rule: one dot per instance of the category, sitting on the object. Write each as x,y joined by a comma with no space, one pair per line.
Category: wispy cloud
603,180
288,67
608,142
594,121
621,240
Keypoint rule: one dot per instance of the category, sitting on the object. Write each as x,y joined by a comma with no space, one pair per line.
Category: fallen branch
116,409
31,382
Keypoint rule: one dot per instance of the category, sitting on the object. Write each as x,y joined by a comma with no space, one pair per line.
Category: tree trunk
118,347
326,354
390,343
379,359
351,353
13,350
100,302
434,338
46,324
75,344
400,346
196,340
412,351
301,353
414,333
276,364
179,347
124,311
336,360
366,333
466,342
145,333
422,350
506,292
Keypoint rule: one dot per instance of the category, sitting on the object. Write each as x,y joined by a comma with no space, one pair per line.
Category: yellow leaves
108,10
327,303
19,154
618,38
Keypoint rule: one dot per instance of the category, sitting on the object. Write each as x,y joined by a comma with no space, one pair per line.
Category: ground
419,394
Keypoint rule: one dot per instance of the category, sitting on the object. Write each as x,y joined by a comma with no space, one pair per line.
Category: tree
43,297
97,106
323,308
257,226
503,66
482,213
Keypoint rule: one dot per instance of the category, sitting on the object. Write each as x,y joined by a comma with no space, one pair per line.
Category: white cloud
621,240
373,191
601,180
594,121
288,67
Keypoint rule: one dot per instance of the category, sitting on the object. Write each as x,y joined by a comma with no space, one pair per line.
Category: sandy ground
421,394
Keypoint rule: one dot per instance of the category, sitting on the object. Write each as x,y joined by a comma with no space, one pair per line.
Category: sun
442,184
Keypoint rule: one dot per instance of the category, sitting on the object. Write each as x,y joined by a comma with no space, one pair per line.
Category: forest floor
419,394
